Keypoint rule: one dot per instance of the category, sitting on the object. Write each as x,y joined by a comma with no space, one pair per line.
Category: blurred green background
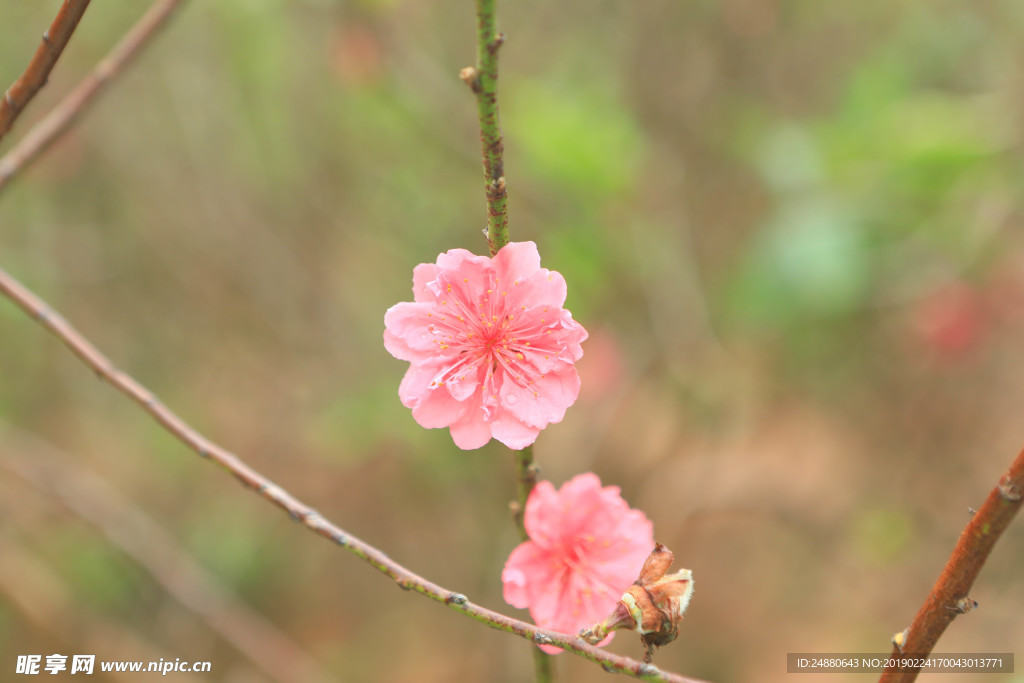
792,229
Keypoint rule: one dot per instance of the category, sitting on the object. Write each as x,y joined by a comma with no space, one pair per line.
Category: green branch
483,80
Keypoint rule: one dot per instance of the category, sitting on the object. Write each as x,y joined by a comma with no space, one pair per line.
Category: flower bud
653,606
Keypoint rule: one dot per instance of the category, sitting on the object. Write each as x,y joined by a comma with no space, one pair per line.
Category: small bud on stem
471,77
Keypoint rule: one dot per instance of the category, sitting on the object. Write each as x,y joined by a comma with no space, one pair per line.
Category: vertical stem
483,81
543,666
526,477
485,84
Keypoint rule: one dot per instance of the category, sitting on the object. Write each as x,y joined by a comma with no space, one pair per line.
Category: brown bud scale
653,606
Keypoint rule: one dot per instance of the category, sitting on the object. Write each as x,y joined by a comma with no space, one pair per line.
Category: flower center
486,336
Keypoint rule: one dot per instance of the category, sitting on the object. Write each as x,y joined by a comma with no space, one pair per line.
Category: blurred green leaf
578,137
262,57
809,262
353,424
97,573
579,253
789,159
881,535
244,560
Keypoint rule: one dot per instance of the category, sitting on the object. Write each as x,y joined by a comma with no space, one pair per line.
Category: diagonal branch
151,546
37,309
949,597
43,61
44,133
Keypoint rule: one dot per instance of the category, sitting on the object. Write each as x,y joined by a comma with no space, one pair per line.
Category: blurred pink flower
586,548
604,367
492,351
952,322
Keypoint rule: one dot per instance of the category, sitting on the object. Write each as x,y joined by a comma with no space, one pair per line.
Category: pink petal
567,604
516,261
513,433
586,510
592,601
407,333
397,347
541,327
416,383
543,515
421,275
459,259
587,604
542,288
466,287
470,431
527,563
463,384
551,598
618,569
543,402
573,334
436,408
618,557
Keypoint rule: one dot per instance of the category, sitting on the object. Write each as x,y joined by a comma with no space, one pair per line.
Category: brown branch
299,511
44,133
949,596
140,537
38,70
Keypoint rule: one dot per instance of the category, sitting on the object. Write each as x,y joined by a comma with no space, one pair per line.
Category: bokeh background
793,230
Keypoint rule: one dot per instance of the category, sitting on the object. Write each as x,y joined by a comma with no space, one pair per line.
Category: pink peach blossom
586,547
492,351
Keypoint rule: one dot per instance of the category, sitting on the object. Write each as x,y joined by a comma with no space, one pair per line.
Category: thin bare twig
90,497
44,133
38,70
949,596
299,511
